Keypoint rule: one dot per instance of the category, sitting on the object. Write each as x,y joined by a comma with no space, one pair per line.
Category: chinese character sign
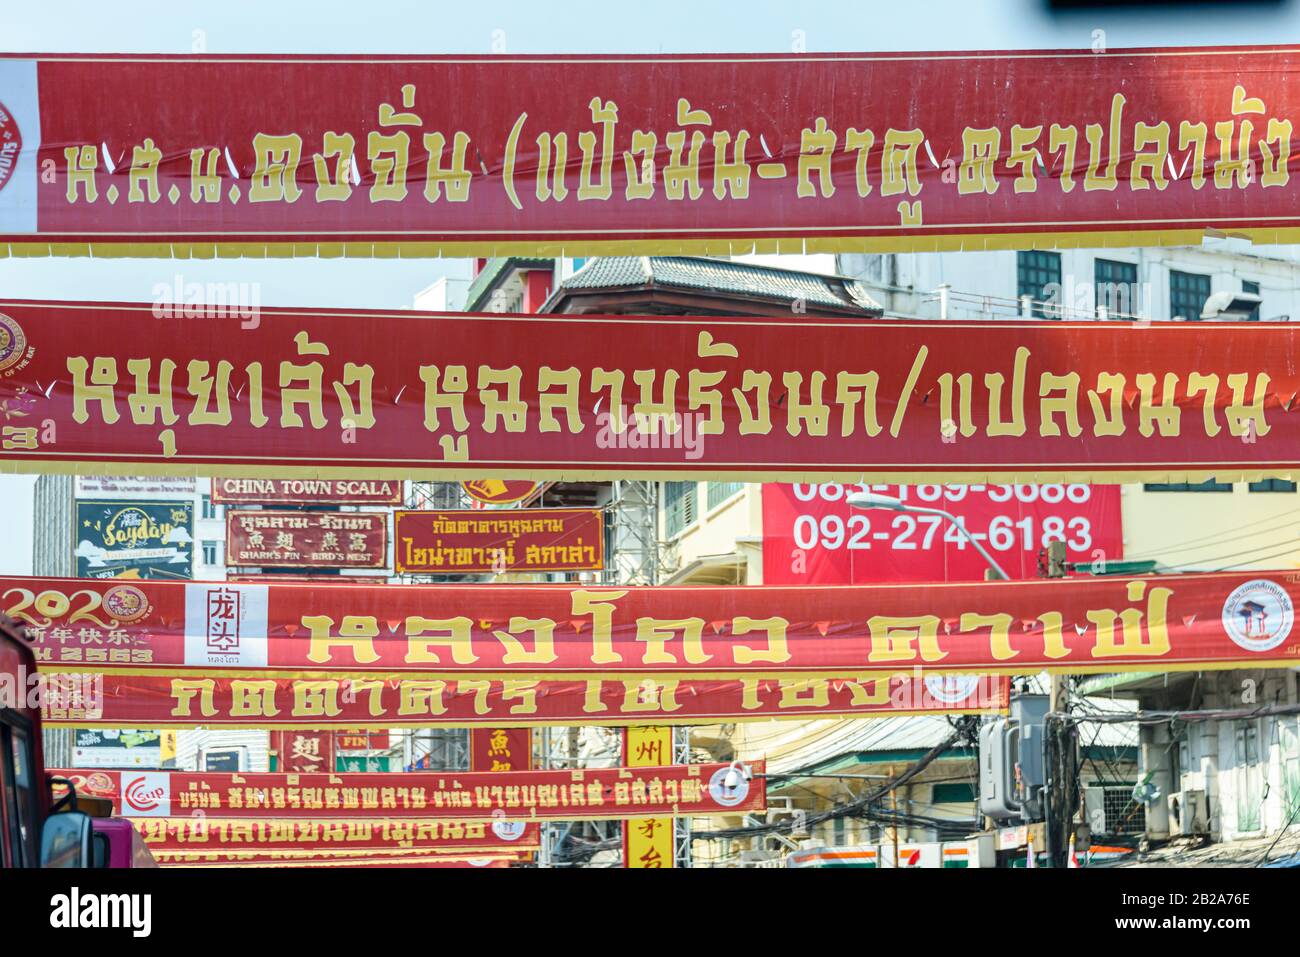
500,749
305,752
312,539
648,843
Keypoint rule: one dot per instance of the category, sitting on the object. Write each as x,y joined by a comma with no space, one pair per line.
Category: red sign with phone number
812,537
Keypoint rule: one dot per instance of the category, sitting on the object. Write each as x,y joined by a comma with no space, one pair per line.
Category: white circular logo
951,689
728,787
508,830
1258,615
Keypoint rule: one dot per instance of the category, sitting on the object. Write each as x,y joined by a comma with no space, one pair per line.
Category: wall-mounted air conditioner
1189,813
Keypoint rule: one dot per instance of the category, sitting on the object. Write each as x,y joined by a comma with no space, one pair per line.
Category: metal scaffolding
634,530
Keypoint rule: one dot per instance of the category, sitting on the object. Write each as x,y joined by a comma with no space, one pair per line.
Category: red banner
314,539
811,536
1159,623
500,749
512,540
237,859
303,752
341,836
272,491
516,796
595,154
661,397
491,704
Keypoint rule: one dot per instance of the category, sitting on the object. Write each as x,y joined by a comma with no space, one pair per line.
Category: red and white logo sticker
146,795
11,144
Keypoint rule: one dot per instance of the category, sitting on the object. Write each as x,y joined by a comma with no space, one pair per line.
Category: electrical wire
962,731
1205,541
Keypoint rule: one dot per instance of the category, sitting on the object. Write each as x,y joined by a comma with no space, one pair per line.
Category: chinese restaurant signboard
272,491
123,539
865,152
518,796
303,752
1160,623
456,395
812,536
509,540
308,539
500,749
489,705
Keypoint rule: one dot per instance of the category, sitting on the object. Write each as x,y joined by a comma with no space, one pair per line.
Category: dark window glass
679,507
1037,270
1253,287
1187,294
1117,287
1210,486
1273,485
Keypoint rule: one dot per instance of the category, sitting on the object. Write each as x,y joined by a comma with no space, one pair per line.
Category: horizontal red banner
167,701
1161,623
312,539
862,151
271,491
339,393
681,790
251,859
317,836
487,540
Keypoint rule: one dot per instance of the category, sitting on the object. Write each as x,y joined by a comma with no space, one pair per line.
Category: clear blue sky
578,26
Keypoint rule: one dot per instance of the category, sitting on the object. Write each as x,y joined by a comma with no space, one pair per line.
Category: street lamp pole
867,500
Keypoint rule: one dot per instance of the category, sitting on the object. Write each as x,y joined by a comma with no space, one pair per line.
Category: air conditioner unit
1189,813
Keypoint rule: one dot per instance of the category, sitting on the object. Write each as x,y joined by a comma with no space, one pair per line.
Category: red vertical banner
501,749
304,752
648,843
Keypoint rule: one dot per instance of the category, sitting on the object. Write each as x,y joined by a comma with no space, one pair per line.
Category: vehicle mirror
66,840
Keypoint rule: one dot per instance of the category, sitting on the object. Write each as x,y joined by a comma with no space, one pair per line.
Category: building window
719,492
1210,486
1251,287
207,509
679,507
1116,286
1187,294
1273,485
953,794
210,553
1038,276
